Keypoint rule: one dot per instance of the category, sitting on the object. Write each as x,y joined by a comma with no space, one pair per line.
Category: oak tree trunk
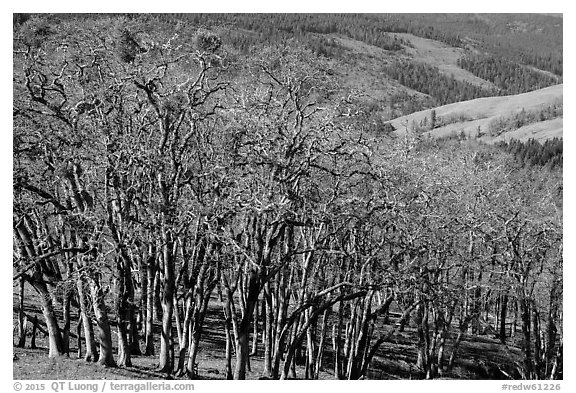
102,324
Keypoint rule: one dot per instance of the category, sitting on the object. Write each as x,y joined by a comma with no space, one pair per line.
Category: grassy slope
482,111
444,57
365,59
540,131
360,70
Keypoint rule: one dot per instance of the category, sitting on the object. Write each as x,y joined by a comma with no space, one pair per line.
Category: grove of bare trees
158,175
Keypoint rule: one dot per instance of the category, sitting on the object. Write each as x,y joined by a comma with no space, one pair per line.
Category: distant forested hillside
530,153
531,39
429,80
512,78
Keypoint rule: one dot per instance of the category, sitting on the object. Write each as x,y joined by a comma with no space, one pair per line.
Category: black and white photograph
278,196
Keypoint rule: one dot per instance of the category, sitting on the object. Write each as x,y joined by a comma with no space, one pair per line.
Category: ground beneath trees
479,357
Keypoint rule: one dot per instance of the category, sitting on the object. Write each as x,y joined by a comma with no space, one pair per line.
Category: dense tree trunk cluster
156,178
